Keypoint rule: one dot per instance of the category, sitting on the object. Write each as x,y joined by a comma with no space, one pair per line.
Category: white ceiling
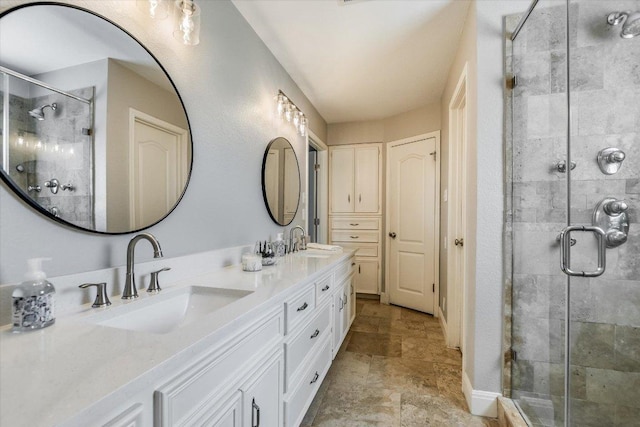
364,60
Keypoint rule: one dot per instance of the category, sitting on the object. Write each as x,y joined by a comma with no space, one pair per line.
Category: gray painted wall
228,84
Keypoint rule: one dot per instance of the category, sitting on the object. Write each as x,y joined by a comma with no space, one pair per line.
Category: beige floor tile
381,310
359,406
424,410
365,324
403,375
393,369
402,327
375,344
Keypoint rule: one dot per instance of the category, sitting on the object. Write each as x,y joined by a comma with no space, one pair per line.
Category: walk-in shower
573,286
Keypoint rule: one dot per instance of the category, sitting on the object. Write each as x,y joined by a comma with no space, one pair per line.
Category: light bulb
282,100
288,112
303,126
188,23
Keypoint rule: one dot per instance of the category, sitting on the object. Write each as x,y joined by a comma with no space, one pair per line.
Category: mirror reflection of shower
630,22
38,113
47,143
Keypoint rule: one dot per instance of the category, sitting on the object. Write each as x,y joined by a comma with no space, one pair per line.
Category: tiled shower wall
64,153
604,82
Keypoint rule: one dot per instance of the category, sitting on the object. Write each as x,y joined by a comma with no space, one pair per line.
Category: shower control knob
616,157
616,238
615,207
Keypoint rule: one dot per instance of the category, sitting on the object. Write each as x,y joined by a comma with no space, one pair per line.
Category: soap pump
33,299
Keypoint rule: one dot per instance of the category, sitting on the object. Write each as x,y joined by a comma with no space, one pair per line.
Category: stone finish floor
393,370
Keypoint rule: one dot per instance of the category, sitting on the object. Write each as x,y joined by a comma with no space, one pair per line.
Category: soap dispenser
33,299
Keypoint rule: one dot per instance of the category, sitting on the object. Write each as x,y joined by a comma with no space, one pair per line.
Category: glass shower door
604,191
540,166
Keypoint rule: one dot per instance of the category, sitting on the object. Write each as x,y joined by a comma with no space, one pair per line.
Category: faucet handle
102,300
154,285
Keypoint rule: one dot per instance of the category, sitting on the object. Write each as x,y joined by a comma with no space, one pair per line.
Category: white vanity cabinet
250,362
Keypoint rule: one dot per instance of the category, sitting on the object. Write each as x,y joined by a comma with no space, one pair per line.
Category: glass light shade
157,9
288,112
296,117
282,100
187,22
302,128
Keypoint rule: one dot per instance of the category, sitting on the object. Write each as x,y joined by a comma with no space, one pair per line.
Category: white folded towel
323,247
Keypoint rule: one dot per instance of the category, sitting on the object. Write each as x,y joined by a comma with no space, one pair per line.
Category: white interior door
157,168
412,223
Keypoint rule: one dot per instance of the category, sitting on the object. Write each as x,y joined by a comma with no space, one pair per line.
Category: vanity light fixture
187,22
289,111
157,9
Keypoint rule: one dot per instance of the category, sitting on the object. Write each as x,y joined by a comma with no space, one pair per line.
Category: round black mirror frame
264,191
31,202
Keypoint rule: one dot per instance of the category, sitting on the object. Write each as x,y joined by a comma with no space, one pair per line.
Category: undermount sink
163,313
310,253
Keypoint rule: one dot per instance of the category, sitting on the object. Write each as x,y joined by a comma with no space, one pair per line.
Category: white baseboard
384,298
443,324
484,403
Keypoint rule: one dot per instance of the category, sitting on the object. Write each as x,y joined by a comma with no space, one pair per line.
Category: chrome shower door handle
565,249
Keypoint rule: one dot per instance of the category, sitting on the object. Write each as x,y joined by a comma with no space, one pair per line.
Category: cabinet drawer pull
315,378
348,198
303,307
354,225
355,237
255,407
326,288
360,198
315,334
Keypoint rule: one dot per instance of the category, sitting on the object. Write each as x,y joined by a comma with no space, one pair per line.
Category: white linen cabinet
355,209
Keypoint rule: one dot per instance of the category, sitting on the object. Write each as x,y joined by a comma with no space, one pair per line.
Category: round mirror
94,133
281,181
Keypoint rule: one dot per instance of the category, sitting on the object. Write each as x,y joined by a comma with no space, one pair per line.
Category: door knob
392,235
459,242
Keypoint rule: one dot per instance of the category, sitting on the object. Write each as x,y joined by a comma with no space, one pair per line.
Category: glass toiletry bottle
278,246
33,300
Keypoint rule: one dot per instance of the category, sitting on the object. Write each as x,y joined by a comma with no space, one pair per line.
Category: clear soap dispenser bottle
33,299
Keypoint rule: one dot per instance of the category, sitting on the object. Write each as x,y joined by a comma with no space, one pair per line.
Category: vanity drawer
299,399
363,249
298,308
343,270
355,236
302,344
355,223
323,288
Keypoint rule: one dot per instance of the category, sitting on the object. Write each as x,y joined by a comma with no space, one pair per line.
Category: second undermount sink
161,314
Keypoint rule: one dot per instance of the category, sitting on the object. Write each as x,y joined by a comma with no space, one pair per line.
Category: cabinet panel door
367,276
341,175
338,308
367,180
262,399
352,302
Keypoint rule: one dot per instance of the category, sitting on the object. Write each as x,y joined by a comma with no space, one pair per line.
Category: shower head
38,113
630,22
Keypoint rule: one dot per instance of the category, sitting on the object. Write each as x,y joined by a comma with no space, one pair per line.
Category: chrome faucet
130,290
303,239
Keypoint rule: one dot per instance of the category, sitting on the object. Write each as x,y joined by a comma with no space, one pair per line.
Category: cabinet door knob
459,242
392,235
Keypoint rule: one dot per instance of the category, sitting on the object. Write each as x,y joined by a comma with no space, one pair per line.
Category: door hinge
316,167
512,82
316,221
433,288
514,355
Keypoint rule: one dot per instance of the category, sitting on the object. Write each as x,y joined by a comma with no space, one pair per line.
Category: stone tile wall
604,83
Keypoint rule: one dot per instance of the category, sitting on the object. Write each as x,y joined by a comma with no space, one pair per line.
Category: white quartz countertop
49,376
